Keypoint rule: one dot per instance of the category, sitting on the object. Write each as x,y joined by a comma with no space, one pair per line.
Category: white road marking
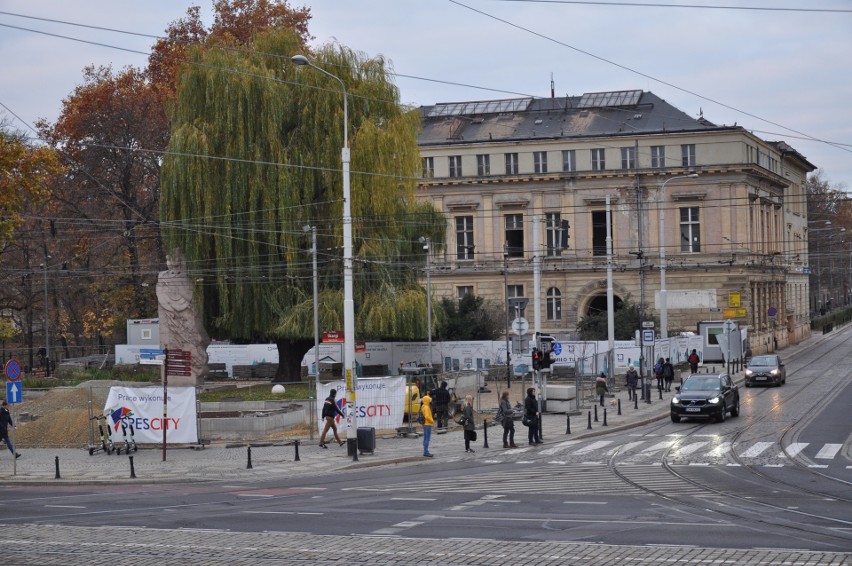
828,451
794,448
756,450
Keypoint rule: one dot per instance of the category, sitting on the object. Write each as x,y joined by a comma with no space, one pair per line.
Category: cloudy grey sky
783,72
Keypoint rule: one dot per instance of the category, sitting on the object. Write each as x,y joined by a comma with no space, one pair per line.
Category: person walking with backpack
658,373
668,374
693,360
5,423
507,421
330,411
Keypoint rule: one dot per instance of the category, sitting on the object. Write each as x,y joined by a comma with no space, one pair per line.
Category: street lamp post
425,241
313,231
664,308
46,319
348,294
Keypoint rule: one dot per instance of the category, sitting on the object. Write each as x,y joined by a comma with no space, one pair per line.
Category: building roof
598,114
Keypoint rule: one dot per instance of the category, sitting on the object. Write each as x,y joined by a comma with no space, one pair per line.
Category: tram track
745,502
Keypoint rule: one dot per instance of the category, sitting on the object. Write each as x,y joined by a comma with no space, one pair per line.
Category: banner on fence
380,402
143,408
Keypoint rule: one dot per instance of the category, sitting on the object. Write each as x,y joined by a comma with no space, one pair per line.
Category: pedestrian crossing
676,449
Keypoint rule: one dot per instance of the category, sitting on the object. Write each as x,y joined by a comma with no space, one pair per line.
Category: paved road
369,512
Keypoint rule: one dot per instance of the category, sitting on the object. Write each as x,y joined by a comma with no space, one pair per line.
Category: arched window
554,304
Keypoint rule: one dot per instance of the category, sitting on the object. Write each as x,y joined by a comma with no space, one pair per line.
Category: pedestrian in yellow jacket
428,422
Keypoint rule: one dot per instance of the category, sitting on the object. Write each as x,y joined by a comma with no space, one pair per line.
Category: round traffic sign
557,348
13,370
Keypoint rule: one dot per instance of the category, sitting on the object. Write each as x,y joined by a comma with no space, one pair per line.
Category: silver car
765,370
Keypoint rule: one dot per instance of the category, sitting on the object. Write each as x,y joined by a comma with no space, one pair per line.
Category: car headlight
714,400
775,372
749,373
675,400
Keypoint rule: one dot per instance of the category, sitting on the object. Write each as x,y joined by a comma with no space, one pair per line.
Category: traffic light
536,359
545,354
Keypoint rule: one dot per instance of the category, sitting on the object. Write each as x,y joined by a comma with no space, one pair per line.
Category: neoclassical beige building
524,183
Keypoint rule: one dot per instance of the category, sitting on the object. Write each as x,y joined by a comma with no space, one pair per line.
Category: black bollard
604,423
661,392
540,429
132,469
249,466
567,423
635,400
485,433
57,469
619,407
296,444
355,451
596,412
590,421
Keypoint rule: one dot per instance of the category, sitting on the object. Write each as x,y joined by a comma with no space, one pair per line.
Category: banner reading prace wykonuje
380,402
143,407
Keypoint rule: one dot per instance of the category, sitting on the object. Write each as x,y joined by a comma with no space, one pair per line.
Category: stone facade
512,176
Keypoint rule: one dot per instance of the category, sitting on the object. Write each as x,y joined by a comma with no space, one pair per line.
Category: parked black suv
765,370
706,396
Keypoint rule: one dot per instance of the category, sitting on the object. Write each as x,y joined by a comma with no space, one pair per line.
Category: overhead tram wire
693,6
636,72
806,136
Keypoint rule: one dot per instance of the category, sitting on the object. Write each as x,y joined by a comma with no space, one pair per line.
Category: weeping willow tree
254,157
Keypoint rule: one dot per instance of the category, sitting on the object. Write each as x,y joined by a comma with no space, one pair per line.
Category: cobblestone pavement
67,546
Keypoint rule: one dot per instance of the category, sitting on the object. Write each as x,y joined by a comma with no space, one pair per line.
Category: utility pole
506,288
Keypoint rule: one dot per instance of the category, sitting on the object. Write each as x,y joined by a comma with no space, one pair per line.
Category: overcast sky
786,75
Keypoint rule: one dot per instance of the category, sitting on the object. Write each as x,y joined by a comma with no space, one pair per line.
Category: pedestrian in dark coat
506,419
469,423
632,380
330,411
5,423
668,374
441,405
532,414
600,387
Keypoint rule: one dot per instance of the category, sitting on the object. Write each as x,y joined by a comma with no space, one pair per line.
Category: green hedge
837,317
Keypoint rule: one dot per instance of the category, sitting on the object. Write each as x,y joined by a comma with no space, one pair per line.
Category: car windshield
764,361
701,384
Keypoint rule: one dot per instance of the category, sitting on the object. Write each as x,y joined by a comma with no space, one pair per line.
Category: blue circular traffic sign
557,348
13,370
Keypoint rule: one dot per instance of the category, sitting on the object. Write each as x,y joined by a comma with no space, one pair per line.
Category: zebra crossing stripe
828,451
593,446
690,448
659,446
756,450
796,447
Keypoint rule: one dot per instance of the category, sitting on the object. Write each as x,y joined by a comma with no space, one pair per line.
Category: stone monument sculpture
180,324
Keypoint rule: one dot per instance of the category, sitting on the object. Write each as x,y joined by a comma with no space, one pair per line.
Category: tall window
658,156
687,154
483,165
599,232
540,161
511,164
455,166
553,229
464,237
690,233
628,157
463,291
554,304
569,160
515,235
428,167
598,160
